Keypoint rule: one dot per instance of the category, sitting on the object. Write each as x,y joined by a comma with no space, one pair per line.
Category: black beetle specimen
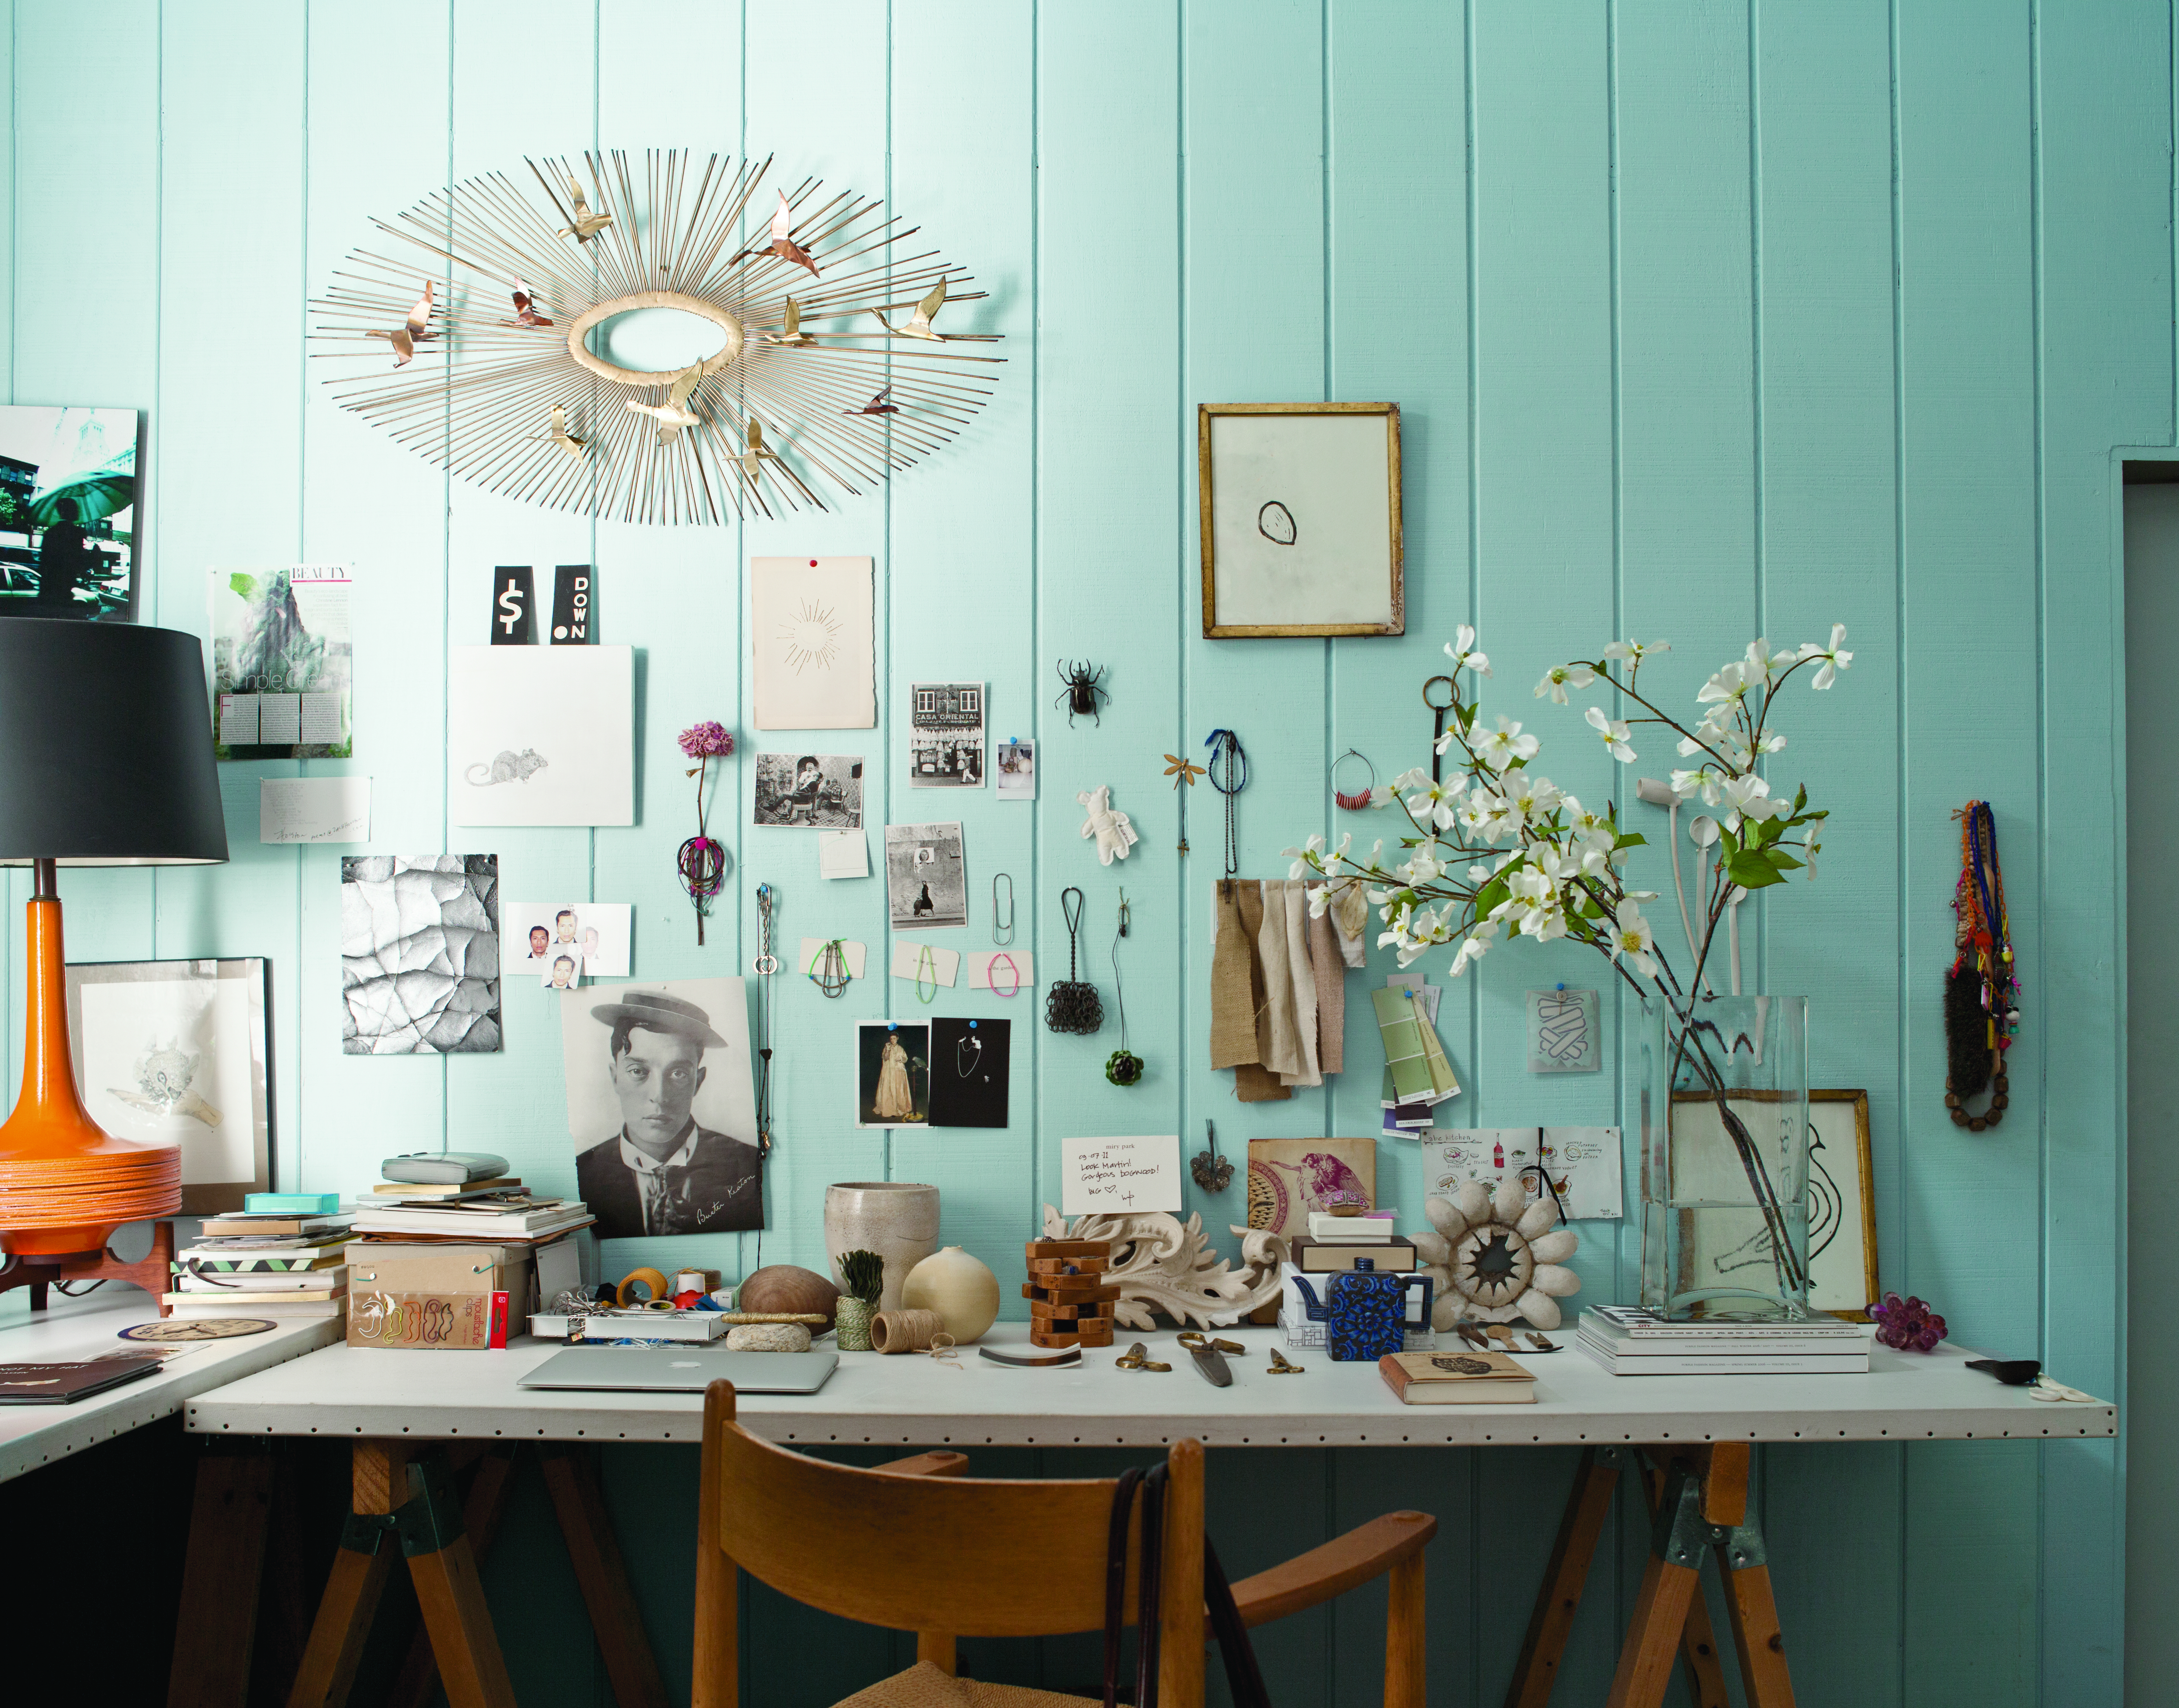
1083,693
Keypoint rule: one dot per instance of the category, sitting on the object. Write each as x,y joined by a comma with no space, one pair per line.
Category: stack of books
258,1264
1334,1242
1457,1378
498,1210
1629,1341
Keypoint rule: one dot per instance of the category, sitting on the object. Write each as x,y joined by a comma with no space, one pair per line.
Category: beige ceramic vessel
959,1287
897,1220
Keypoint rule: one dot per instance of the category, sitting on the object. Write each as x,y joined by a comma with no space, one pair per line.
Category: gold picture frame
1294,540
1855,1198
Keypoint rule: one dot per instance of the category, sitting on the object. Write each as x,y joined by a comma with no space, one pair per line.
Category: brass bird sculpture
573,444
752,461
416,330
781,242
587,224
794,336
876,405
525,309
674,414
918,324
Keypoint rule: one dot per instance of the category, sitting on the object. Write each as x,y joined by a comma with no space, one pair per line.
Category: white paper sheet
842,854
540,734
812,643
1582,1162
813,950
915,962
1119,1176
599,933
314,809
1022,970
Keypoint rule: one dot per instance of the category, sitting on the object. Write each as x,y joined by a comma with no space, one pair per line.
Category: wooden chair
915,1546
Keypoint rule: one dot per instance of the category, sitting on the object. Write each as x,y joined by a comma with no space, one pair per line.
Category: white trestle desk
412,1416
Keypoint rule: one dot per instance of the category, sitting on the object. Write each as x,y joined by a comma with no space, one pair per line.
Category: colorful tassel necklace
1982,992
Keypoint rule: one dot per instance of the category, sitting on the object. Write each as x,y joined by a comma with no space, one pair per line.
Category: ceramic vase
851,1328
893,1218
959,1287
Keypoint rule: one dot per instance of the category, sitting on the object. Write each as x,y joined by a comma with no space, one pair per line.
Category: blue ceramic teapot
1367,1314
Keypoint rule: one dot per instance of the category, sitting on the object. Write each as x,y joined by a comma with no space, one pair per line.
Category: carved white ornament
1160,1262
1496,1259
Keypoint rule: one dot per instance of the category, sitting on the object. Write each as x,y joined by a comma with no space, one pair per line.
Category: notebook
58,1384
1457,1378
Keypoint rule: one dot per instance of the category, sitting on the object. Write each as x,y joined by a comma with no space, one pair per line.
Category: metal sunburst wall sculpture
837,361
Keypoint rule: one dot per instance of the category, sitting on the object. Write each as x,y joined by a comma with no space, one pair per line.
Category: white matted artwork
1300,519
1582,1163
812,643
1843,1273
540,734
926,876
598,933
1562,1032
1119,1177
174,1053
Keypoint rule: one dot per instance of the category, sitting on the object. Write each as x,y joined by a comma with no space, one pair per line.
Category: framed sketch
1301,520
1842,1275
540,735
175,1053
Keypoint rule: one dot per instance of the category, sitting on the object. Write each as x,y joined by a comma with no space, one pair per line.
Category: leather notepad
58,1384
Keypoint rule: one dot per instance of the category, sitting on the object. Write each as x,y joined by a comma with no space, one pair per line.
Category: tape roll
651,1277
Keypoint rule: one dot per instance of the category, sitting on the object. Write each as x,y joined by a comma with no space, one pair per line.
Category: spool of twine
905,1331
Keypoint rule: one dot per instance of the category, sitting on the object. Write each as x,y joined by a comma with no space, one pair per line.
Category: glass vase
1725,1158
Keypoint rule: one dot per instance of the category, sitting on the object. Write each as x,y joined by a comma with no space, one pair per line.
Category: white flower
1815,843
1834,660
1420,866
1425,801
1765,665
1598,849
1771,744
1631,937
1533,795
1634,651
1461,651
1501,818
1306,859
1506,744
1415,777
1613,732
1583,822
1474,946
1728,686
1380,798
1707,779
1749,798
1558,677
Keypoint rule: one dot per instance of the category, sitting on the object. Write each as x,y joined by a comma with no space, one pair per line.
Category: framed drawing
174,1053
1301,518
1842,1196
540,734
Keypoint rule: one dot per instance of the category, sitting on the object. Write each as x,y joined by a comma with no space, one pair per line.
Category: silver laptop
681,1369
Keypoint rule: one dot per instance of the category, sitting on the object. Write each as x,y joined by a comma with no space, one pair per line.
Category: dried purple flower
1907,1324
708,739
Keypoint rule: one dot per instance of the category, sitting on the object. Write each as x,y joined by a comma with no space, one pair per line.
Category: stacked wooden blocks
1070,1303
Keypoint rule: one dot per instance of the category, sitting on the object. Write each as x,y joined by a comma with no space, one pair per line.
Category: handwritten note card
314,809
1119,1177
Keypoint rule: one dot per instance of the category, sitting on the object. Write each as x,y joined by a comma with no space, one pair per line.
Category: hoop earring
1356,803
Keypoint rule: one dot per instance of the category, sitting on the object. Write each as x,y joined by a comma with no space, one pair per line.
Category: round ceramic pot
959,1287
851,1328
893,1218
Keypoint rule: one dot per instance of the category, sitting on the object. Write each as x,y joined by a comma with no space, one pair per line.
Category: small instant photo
1014,765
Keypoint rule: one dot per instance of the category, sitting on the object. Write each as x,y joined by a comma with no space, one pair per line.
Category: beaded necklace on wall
1982,991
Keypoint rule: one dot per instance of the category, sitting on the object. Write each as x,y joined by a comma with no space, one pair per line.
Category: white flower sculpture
1496,1259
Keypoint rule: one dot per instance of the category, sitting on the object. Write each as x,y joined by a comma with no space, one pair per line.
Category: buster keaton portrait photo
662,1171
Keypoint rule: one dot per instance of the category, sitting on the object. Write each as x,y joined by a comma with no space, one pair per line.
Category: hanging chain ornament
764,966
828,370
1358,801
1982,992
1071,1006
1122,1067
1229,776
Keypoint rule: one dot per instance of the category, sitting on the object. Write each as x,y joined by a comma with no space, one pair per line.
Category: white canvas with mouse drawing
540,734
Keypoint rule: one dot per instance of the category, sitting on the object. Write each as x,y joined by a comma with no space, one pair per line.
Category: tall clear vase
1725,1158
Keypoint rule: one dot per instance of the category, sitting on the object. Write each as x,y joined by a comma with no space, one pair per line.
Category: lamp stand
154,1271
65,1183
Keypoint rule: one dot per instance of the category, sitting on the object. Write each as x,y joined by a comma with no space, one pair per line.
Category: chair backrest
958,1556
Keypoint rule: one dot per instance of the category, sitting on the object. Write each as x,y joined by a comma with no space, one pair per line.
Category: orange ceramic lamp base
65,1183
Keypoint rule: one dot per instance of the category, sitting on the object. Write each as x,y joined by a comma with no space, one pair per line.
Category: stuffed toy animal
1115,834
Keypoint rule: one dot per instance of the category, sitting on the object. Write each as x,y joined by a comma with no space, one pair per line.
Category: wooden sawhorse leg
1694,1505
223,1566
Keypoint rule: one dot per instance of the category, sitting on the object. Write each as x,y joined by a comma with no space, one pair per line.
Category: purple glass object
1907,1324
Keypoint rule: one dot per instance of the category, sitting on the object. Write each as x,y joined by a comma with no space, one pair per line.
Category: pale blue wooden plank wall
1707,317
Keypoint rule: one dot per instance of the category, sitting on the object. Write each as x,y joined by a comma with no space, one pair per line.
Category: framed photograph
926,876
1301,520
176,1053
822,791
661,1105
1841,1197
68,513
892,1074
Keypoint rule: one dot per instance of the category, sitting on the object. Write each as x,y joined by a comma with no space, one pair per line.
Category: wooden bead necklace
1982,991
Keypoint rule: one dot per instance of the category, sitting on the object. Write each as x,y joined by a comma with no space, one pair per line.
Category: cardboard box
1328,1257
434,1297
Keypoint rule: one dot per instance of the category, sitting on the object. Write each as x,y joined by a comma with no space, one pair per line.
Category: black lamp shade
106,749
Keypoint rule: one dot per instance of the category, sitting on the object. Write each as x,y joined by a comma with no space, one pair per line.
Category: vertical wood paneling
1115,438
1829,551
380,509
1545,465
2103,118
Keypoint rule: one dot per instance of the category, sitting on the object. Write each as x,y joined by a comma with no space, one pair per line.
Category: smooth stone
768,1337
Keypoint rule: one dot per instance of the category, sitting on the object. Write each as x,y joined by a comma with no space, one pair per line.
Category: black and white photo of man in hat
662,1171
